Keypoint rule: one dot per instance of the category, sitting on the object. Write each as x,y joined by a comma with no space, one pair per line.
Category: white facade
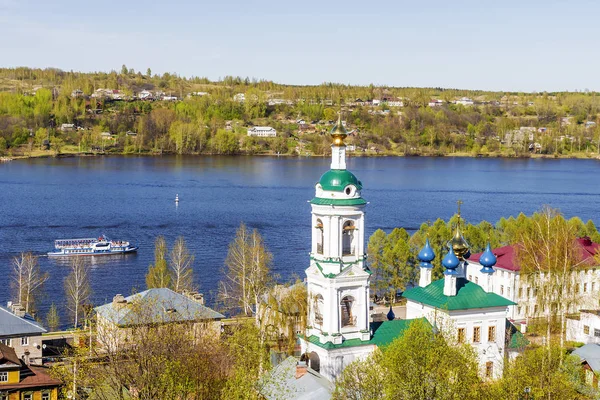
508,284
262,131
586,328
482,328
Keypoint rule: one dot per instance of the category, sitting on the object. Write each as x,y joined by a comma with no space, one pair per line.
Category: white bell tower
337,280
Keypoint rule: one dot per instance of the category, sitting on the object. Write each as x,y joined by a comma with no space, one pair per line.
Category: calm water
133,199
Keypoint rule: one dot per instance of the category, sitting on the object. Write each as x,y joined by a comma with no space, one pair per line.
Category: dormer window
350,190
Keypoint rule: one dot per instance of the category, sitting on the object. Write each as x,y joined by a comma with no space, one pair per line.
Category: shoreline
49,154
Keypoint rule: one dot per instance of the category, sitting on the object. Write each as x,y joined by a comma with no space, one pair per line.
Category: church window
520,292
476,280
577,288
535,309
502,290
347,315
476,334
489,369
508,291
319,228
528,292
348,239
593,286
519,310
461,335
491,334
471,278
586,330
596,332
318,310
585,288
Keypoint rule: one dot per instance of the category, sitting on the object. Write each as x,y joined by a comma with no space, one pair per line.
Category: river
132,198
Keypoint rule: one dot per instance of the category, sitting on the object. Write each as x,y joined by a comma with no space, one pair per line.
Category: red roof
507,260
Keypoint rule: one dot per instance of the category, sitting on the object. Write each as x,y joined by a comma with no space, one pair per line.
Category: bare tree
77,289
549,258
28,280
181,267
247,271
158,275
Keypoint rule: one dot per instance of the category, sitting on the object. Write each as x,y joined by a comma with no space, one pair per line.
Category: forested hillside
52,111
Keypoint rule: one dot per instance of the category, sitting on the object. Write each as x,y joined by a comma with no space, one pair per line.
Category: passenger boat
91,247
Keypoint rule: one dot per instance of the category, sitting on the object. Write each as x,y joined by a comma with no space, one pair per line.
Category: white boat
91,247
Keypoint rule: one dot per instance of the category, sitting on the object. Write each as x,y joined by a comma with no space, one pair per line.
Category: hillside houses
262,131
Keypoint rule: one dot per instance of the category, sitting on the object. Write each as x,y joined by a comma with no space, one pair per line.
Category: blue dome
426,254
487,260
390,315
450,262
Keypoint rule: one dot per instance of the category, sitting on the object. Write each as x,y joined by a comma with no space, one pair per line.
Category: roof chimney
301,369
119,301
18,310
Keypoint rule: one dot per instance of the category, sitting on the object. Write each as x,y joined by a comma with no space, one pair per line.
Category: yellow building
19,381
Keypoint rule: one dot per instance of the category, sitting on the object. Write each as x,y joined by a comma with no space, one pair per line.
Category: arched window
347,315
318,310
348,238
319,228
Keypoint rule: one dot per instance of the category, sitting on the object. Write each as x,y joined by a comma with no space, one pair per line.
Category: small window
502,290
585,288
24,341
596,332
3,396
28,396
508,291
476,280
471,278
593,286
46,396
577,288
476,334
3,376
489,369
461,335
491,334
519,310
6,342
520,292
535,309
528,292
586,330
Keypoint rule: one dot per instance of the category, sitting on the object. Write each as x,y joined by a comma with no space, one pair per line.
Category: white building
339,328
145,95
585,327
262,131
436,103
508,284
465,101
464,311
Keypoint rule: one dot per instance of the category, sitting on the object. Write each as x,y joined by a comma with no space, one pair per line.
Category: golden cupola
460,247
339,133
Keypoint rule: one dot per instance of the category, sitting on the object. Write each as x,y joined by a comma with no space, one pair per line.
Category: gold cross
459,202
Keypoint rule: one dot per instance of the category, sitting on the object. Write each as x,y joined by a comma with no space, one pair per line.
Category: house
262,131
240,97
436,103
67,127
585,327
507,281
465,101
77,93
19,381
106,135
169,98
295,380
590,361
145,95
21,332
131,133
152,308
395,102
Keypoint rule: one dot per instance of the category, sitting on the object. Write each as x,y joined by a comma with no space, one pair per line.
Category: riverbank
74,152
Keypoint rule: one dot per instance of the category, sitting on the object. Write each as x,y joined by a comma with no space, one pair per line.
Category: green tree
225,142
159,275
52,318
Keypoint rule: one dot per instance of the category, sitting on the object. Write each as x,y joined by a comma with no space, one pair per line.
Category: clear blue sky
501,45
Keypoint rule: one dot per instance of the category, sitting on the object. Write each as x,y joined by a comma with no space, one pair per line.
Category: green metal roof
338,202
337,180
469,295
384,333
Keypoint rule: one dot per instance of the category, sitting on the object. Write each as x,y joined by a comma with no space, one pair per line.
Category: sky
526,45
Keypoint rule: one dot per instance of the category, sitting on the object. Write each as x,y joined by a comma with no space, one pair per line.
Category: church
340,329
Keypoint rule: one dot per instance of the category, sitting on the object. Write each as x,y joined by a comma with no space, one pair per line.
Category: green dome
337,179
